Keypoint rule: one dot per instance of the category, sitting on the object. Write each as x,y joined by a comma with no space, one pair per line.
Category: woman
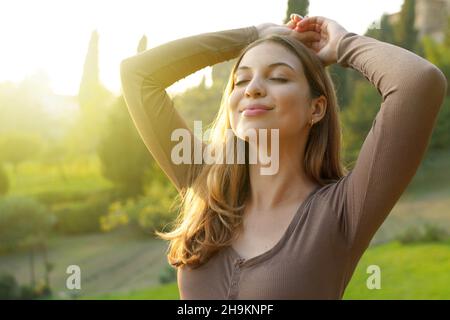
299,233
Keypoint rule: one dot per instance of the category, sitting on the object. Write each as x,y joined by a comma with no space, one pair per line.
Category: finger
291,24
312,20
308,27
296,17
308,36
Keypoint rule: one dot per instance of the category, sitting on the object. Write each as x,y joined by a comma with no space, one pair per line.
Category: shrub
9,289
27,292
4,181
168,274
424,233
23,219
434,233
151,212
81,217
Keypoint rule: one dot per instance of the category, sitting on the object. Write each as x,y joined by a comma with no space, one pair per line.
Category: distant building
431,18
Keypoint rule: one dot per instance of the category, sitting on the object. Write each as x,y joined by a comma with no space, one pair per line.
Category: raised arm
412,91
146,75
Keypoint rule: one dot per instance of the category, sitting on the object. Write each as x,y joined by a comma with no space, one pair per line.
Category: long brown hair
212,206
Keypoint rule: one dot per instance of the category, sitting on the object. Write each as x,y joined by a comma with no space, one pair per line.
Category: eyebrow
272,65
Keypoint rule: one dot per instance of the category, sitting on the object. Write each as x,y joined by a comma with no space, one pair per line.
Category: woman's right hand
330,34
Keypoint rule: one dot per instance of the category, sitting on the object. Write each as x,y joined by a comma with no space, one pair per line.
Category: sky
52,36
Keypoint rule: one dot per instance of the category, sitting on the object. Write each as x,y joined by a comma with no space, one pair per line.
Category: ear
318,108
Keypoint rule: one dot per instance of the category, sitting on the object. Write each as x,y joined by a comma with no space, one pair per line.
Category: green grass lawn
420,271
415,271
81,176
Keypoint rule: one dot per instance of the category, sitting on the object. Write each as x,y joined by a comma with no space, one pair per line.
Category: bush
4,181
425,233
433,233
27,292
154,218
56,198
149,213
42,291
78,218
440,139
168,274
9,289
22,219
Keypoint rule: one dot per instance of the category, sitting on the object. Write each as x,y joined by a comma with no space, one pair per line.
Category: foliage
116,216
168,274
440,139
81,217
300,7
199,103
151,212
94,100
18,146
384,33
10,289
4,181
23,220
358,118
424,233
404,31
438,54
124,157
22,107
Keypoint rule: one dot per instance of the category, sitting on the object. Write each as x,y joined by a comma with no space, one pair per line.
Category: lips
256,107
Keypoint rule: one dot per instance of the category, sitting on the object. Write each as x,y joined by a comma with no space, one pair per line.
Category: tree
4,181
358,118
439,54
94,100
18,147
405,33
296,6
24,221
124,158
384,33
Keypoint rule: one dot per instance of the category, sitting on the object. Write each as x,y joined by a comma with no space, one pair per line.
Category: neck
288,185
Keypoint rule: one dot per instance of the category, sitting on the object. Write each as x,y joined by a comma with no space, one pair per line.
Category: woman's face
270,75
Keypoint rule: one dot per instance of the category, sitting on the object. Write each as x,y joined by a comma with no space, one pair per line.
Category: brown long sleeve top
316,256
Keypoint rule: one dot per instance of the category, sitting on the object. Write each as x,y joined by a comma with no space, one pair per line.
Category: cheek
292,104
293,112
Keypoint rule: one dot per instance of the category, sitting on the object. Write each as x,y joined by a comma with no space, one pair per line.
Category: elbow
129,75
429,87
436,82
125,67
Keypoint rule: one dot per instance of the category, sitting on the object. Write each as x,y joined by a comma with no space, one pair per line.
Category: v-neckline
287,232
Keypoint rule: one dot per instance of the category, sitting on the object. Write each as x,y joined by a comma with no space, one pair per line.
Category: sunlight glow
53,35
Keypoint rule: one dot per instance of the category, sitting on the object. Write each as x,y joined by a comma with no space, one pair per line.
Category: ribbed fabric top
316,256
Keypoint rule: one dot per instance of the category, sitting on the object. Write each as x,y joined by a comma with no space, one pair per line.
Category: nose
255,88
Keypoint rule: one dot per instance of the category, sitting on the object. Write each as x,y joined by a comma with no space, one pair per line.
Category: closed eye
274,79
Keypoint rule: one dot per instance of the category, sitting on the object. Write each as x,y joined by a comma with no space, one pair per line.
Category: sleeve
145,76
412,91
